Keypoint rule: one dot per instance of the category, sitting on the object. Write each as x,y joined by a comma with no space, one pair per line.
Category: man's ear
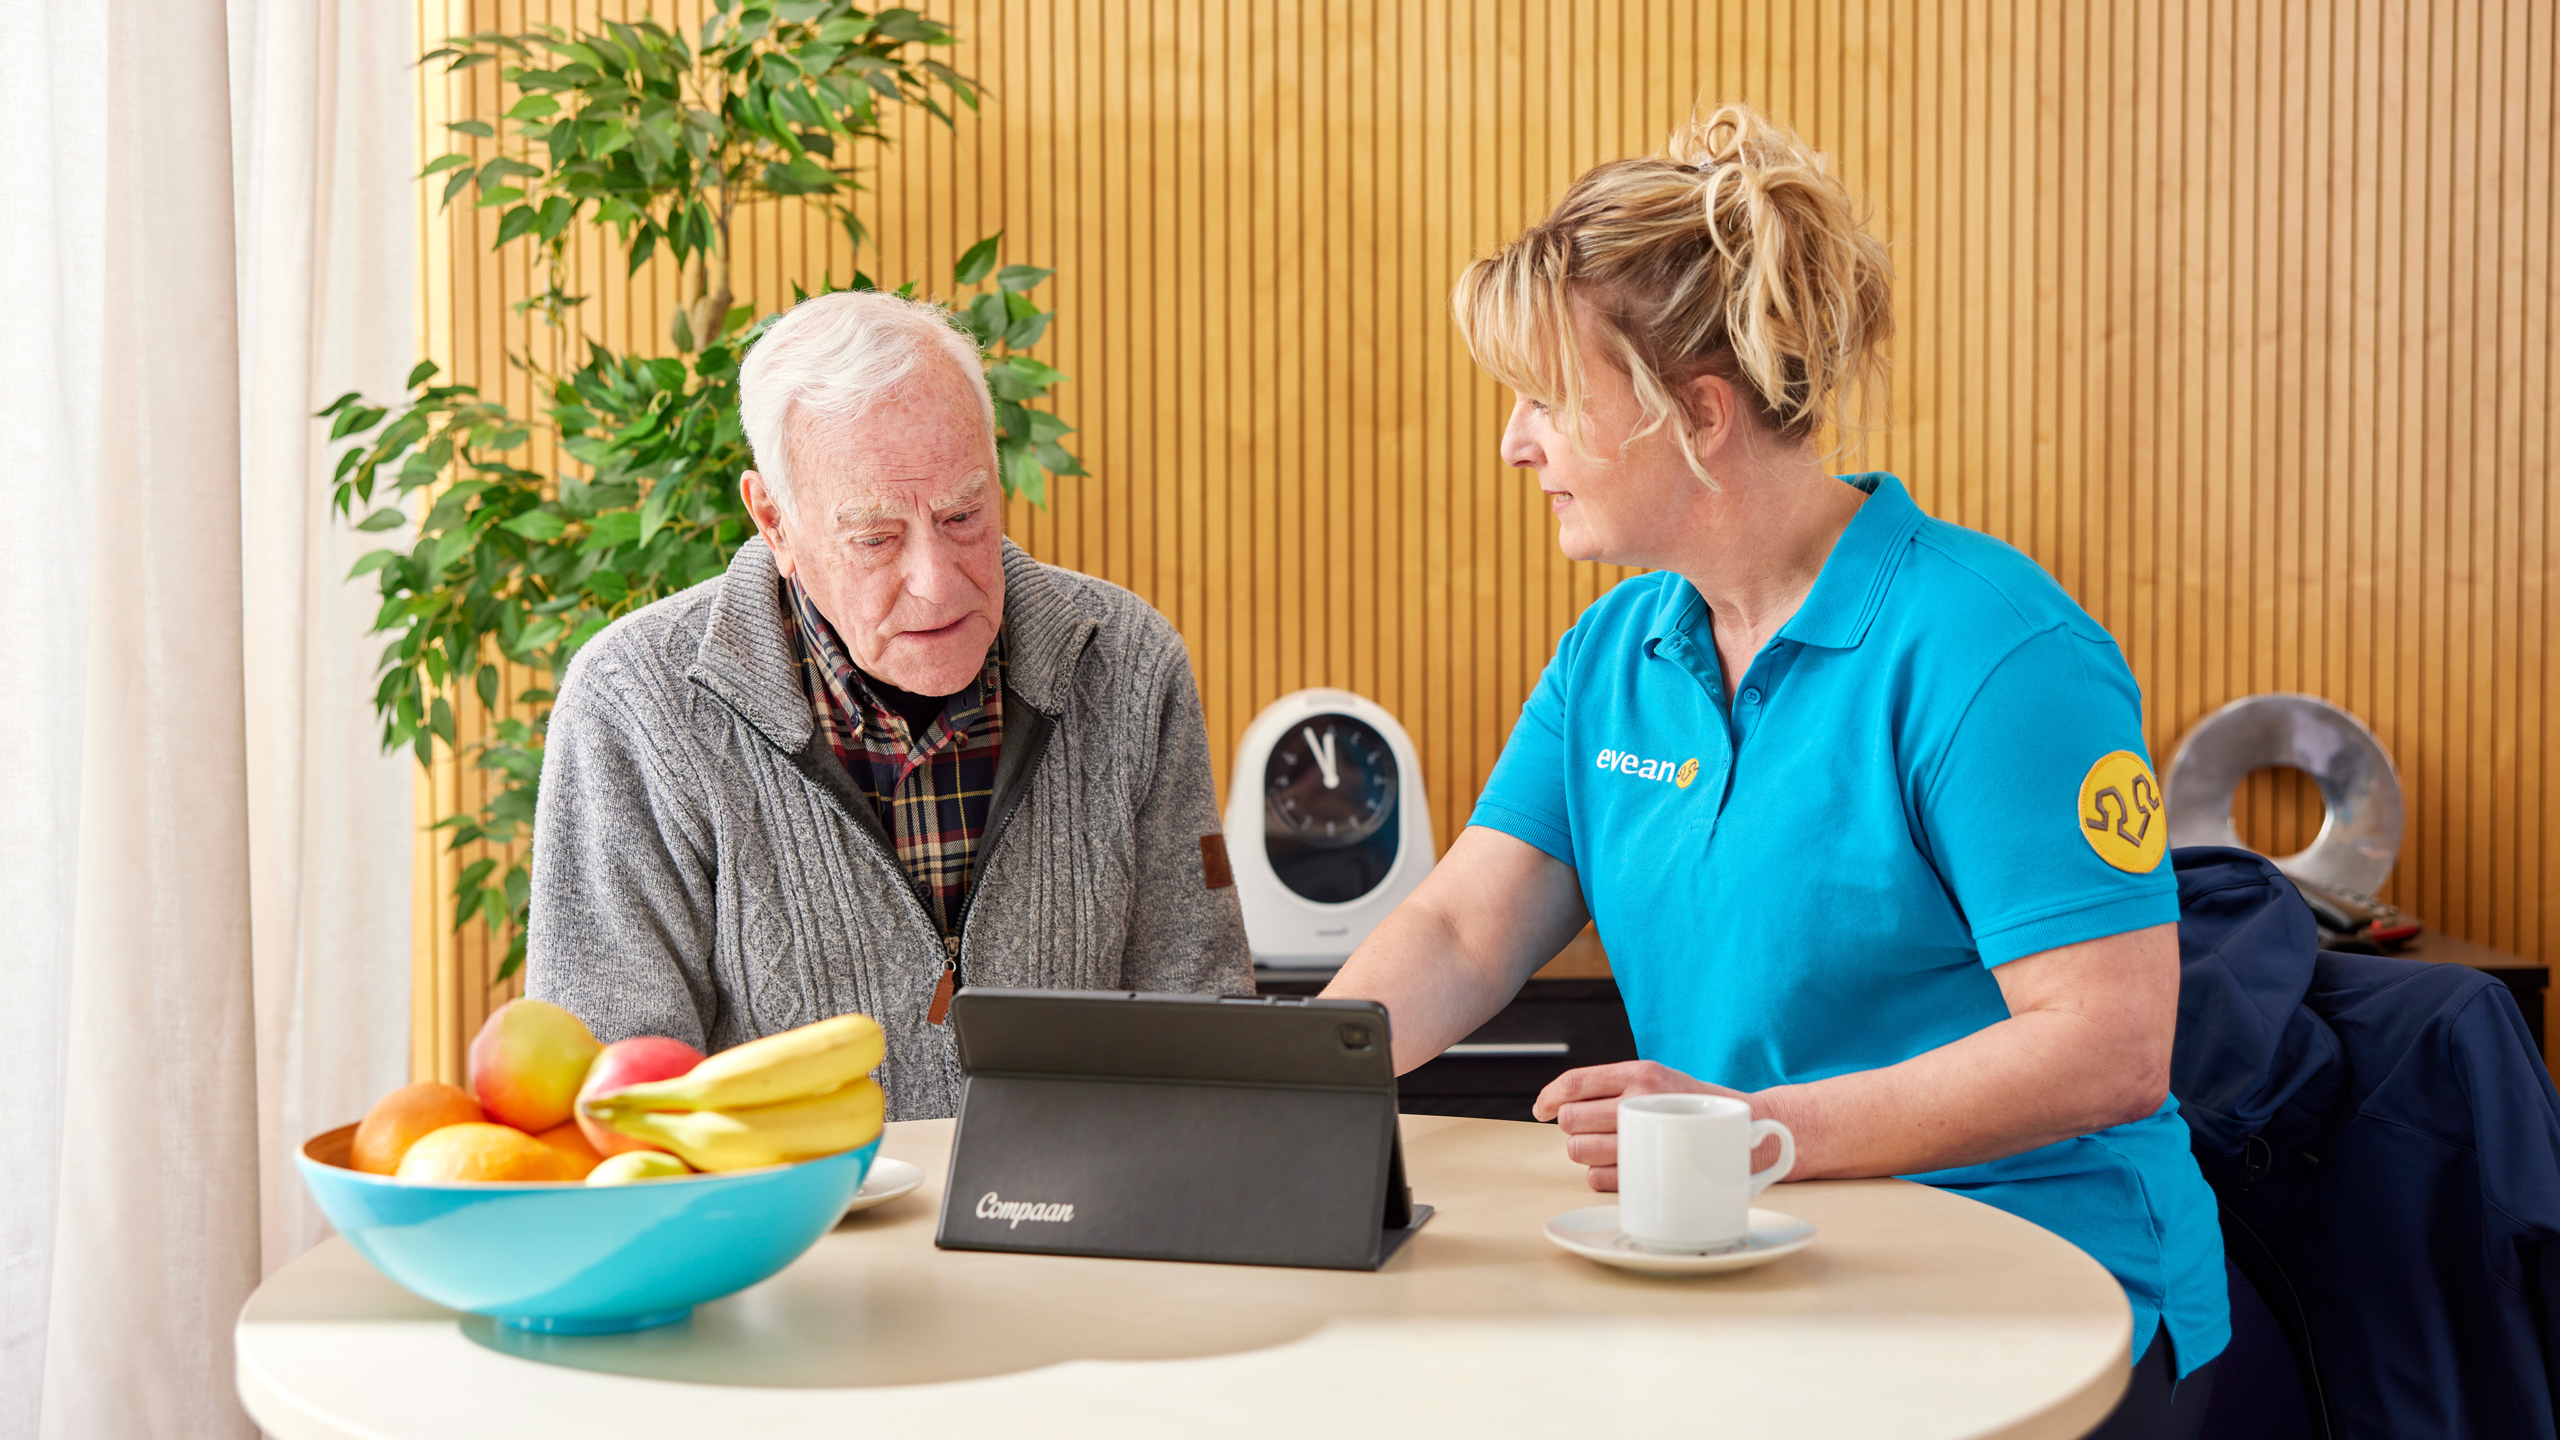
768,520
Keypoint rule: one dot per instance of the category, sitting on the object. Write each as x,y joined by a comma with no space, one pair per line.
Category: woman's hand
1584,1104
2086,1046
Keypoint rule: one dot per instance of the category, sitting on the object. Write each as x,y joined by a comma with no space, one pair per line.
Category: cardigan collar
745,655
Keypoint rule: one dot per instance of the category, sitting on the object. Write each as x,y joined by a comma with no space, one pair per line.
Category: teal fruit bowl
577,1259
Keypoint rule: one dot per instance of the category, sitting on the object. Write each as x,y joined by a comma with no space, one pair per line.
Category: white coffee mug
1685,1181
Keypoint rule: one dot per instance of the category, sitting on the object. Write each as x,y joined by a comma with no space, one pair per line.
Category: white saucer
1594,1234
888,1180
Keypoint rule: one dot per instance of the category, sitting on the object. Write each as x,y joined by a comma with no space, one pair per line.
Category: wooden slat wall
2236,317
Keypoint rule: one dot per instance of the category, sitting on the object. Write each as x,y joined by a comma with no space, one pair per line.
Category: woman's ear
1715,417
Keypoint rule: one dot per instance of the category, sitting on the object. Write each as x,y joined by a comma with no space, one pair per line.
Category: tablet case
1256,1131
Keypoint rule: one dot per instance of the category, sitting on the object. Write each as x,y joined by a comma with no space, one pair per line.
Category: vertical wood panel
2238,319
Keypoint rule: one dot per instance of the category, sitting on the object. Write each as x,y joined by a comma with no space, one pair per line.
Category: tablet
1258,1131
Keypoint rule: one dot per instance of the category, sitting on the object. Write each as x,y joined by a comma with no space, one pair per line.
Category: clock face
1329,808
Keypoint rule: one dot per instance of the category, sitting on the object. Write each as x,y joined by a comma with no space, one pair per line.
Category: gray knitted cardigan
705,868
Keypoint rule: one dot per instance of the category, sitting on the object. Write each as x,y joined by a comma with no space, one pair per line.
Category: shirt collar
1848,593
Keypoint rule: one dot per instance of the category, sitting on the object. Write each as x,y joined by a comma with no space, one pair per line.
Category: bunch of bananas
793,1096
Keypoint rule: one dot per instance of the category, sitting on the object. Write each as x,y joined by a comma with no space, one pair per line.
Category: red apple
527,1063
631,1062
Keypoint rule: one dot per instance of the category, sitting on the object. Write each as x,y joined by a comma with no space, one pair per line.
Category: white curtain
207,228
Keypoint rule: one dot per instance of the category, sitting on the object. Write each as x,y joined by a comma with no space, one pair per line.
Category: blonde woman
1858,798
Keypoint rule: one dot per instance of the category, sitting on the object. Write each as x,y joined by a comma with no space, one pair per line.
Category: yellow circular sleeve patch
1688,772
2120,813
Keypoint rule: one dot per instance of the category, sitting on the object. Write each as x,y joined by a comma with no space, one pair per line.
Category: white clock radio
1327,825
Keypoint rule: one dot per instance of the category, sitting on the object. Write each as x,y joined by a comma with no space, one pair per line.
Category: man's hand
1584,1104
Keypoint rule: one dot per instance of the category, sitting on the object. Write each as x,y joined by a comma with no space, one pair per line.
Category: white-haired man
886,754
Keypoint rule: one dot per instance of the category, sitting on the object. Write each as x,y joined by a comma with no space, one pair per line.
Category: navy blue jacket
2386,1145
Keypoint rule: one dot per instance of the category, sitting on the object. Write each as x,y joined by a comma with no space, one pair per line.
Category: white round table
1915,1313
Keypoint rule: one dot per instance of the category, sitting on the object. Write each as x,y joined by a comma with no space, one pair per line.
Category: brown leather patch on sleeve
1215,872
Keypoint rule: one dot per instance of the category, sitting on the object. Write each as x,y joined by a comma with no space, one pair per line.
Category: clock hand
1323,750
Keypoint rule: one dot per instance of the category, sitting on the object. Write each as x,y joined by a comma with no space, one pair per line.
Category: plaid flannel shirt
931,791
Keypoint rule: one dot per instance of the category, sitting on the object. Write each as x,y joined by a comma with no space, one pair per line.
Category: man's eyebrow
854,513
867,512
967,492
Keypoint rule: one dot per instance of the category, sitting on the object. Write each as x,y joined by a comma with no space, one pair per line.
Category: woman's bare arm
2086,1046
1446,959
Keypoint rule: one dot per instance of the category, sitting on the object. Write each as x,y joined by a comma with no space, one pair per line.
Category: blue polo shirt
1935,767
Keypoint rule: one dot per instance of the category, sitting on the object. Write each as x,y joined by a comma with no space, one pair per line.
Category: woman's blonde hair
1736,253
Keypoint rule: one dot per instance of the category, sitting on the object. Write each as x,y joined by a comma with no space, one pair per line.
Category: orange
397,1120
570,1150
480,1151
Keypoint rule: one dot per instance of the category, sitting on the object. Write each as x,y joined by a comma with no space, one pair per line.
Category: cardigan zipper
938,1009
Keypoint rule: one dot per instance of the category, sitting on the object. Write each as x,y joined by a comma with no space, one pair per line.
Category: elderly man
886,755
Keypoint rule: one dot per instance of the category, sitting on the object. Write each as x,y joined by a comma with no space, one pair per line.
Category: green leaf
1026,332
1056,460
454,186
680,330
1021,277
802,176
653,515
533,107
444,162
977,260
961,85
557,212
481,128
617,527
390,519
420,374
1033,371
536,525
984,319
1022,476
499,196
522,220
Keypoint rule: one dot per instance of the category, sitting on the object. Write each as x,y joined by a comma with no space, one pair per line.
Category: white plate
1594,1234
888,1180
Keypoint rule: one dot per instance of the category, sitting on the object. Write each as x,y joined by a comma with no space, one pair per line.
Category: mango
527,1063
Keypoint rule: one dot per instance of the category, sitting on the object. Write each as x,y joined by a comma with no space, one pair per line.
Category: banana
796,1063
744,1138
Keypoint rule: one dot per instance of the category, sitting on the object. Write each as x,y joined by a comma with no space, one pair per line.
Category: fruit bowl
567,1258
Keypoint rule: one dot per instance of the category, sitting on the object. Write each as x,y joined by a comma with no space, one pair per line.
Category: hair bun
1736,252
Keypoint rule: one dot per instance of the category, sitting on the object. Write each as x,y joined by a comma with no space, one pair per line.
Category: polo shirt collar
1849,592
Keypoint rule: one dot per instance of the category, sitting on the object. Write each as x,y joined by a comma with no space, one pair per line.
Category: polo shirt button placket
1746,713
